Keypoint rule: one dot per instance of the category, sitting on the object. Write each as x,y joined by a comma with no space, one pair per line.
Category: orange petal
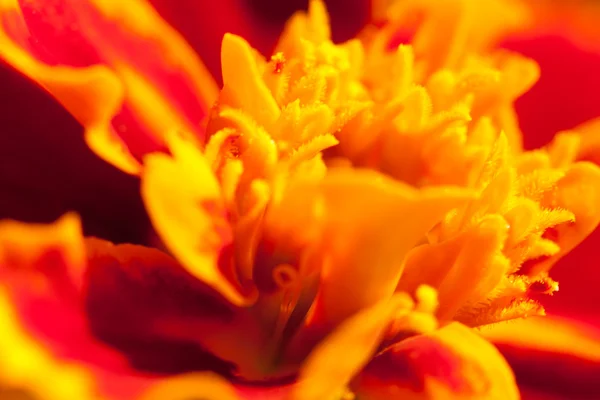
121,71
333,363
26,366
367,223
551,355
576,20
397,218
578,275
201,386
208,386
579,192
462,269
203,25
451,363
446,28
244,88
589,134
45,329
186,206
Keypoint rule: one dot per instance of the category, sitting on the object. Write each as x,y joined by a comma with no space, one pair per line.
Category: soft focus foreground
334,223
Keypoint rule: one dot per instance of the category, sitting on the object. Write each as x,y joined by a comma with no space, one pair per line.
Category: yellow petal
302,26
48,349
26,367
242,83
187,208
463,269
333,363
24,361
21,243
548,334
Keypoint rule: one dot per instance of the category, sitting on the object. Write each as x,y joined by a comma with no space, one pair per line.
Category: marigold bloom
333,222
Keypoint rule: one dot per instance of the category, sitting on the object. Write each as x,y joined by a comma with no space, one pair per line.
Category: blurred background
46,169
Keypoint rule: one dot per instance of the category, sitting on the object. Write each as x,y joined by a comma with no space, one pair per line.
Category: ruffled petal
579,192
578,275
464,269
45,328
451,363
552,356
121,71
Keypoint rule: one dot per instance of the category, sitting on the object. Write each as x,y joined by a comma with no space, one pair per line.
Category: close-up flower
336,200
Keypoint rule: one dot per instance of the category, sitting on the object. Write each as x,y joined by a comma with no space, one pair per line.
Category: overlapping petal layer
286,249
45,328
351,222
449,121
311,268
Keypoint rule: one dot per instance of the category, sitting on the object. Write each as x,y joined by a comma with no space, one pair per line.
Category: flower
334,225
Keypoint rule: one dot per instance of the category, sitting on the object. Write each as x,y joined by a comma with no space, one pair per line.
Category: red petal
152,81
260,22
566,94
165,320
579,278
347,18
203,24
143,302
364,252
83,33
41,272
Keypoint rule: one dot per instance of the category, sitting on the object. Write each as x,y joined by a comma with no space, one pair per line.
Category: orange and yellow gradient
338,221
